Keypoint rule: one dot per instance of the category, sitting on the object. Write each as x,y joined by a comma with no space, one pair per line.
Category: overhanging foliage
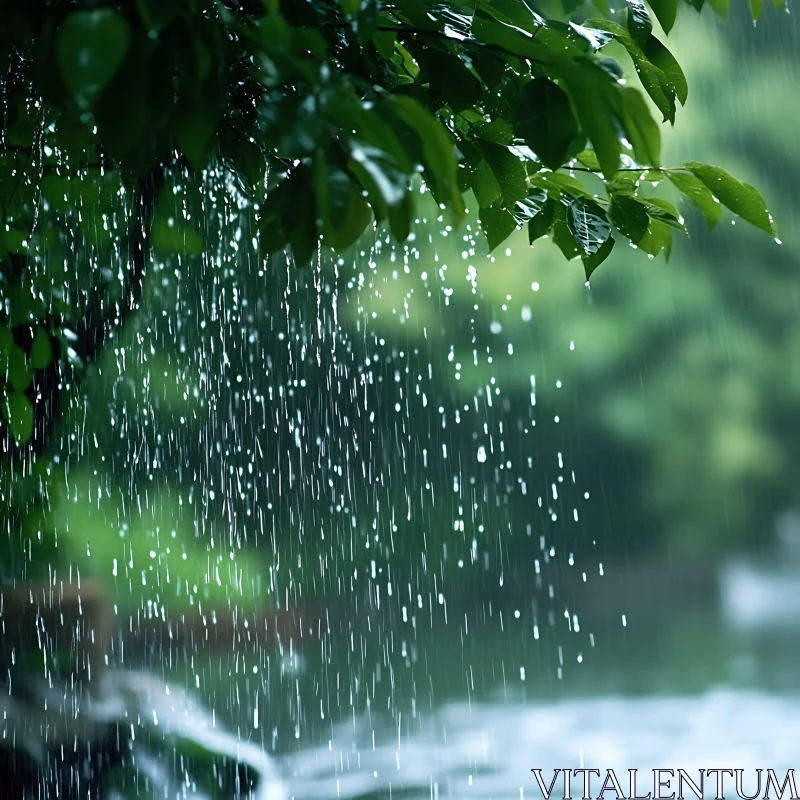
326,113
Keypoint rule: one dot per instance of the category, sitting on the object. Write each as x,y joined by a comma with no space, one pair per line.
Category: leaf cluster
327,113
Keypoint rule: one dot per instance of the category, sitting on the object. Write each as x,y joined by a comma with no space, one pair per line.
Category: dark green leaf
699,194
545,121
656,53
6,346
593,93
497,225
629,217
18,413
593,261
19,371
638,19
438,151
588,224
389,179
41,350
90,46
485,185
739,197
508,170
661,85
666,11
563,239
541,224
195,131
663,210
448,78
343,211
400,218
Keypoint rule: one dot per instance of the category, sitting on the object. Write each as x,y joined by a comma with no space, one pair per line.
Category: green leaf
699,194
542,222
386,175
661,76
497,225
638,19
593,94
739,197
589,160
663,210
657,238
642,130
508,170
629,217
756,8
18,413
438,151
195,131
485,185
400,218
448,78
41,350
593,261
529,207
343,211
557,183
90,46
657,54
563,239
6,346
666,11
19,371
545,121
588,224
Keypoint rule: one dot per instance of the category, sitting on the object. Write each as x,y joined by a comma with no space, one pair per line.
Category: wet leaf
497,225
666,11
485,185
629,217
541,224
564,240
545,121
588,224
699,194
658,238
19,370
41,350
90,46
18,413
638,19
593,261
643,131
739,197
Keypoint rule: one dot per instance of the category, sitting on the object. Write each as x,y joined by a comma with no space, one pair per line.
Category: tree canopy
327,115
